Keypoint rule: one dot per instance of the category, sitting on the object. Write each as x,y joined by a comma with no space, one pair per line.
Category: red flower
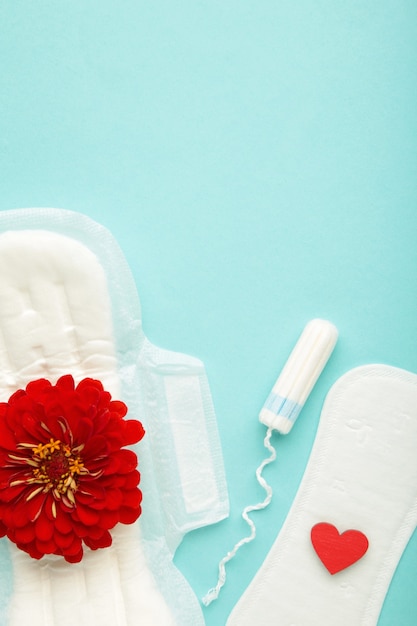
64,477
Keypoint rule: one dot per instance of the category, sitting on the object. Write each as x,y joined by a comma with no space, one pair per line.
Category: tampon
300,373
281,409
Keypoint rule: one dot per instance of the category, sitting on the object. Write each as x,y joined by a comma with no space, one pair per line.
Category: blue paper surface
257,163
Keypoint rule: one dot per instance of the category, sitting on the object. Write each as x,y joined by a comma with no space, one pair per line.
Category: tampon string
213,593
281,409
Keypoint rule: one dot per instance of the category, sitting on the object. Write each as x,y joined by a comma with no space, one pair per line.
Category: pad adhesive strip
362,474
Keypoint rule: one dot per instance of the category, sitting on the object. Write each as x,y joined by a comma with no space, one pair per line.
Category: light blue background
257,162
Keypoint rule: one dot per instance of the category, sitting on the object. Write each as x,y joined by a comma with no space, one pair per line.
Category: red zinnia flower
64,477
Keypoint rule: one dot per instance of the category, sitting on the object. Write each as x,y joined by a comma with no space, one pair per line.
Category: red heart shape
337,551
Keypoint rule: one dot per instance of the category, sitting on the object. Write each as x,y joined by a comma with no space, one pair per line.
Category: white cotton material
362,475
299,375
68,305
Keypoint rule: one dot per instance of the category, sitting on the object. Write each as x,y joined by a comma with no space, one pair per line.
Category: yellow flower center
55,468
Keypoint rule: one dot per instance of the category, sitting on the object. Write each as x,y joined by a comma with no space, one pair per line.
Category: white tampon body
300,373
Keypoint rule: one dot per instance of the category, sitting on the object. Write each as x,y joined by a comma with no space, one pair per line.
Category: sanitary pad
68,305
354,512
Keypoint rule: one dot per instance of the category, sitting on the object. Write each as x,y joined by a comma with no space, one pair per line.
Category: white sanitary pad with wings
68,305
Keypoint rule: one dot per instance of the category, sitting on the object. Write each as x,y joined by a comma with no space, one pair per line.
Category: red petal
66,383
118,407
63,521
101,421
94,532
115,481
63,541
96,446
46,547
89,496
115,440
6,513
91,488
104,541
128,516
132,498
83,430
7,438
36,388
114,499
24,535
112,465
10,474
104,401
122,462
87,516
80,530
108,519
19,514
34,506
75,548
31,426
31,549
89,382
88,395
133,432
132,480
73,415
50,510
129,461
11,493
44,528
75,558
15,514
